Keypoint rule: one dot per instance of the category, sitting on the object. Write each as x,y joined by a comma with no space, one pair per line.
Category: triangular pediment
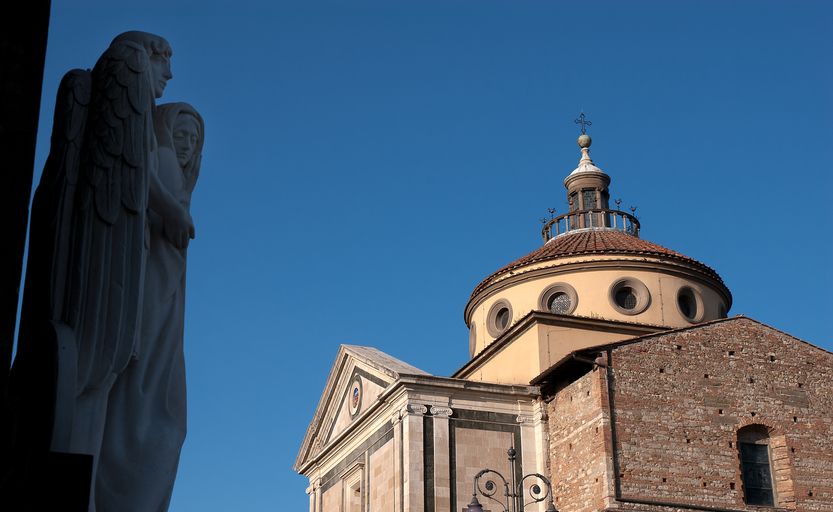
358,376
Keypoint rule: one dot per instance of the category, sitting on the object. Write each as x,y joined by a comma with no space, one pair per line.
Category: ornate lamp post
513,492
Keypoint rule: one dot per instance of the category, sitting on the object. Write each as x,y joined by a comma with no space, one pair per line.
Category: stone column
413,478
442,464
398,466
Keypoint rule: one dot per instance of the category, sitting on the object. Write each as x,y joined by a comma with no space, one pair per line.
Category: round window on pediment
499,318
629,296
355,397
558,298
690,304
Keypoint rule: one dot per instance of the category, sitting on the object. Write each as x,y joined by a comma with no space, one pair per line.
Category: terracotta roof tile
595,242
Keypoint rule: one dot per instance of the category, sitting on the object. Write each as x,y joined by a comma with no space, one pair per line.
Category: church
604,374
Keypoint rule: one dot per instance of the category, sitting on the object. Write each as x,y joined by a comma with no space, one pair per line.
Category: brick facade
579,443
672,405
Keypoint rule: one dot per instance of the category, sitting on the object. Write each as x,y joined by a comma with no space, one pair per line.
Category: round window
629,296
355,397
626,298
499,318
559,303
690,304
558,298
687,304
502,318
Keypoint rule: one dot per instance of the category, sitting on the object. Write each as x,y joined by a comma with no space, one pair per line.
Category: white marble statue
110,225
148,400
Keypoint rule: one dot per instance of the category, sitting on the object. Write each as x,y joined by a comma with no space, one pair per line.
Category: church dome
593,242
594,265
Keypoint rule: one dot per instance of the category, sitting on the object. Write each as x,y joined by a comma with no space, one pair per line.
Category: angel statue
101,195
149,400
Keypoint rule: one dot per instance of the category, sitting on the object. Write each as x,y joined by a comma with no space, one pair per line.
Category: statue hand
179,228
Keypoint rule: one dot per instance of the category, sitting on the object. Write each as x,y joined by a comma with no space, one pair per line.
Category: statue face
160,68
186,134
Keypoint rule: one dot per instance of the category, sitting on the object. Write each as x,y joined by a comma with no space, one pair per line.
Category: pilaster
534,448
413,477
398,465
442,463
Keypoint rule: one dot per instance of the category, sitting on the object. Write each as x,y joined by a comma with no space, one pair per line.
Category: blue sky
367,164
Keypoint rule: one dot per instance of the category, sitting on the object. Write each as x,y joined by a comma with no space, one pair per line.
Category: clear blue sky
367,164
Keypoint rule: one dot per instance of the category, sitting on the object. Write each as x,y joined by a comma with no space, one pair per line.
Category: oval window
690,304
502,318
558,298
629,296
499,318
626,298
559,303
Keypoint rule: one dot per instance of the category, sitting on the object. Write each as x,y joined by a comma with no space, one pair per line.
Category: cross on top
584,123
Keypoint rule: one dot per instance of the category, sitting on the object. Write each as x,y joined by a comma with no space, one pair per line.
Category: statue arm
176,221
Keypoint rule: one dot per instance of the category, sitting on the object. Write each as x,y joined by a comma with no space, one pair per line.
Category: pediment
358,376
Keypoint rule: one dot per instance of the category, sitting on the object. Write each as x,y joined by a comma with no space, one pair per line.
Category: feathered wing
39,365
103,301
53,204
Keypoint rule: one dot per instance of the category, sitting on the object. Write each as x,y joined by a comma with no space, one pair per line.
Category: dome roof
585,165
605,242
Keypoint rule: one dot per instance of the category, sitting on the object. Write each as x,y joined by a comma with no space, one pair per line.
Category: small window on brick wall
756,470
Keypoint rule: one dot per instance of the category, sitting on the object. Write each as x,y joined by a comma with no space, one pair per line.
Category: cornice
539,317
396,391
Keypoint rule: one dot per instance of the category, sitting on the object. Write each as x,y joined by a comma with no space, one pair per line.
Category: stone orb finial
584,141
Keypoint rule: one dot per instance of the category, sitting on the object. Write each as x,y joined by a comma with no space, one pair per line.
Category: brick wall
678,401
578,431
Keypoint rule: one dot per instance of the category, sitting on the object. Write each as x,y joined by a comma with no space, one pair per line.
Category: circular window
559,298
355,396
629,296
626,298
559,303
499,318
690,304
502,318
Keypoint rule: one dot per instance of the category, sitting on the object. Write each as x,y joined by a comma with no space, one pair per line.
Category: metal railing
614,220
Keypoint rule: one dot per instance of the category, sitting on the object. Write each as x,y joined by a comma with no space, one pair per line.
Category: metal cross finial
584,123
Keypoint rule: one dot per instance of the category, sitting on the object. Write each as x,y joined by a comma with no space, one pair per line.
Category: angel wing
104,296
40,368
83,292
53,203
120,130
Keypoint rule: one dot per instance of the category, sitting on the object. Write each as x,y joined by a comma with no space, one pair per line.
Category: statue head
186,135
159,51
180,127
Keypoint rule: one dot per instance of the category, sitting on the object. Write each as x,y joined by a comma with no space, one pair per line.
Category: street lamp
513,492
